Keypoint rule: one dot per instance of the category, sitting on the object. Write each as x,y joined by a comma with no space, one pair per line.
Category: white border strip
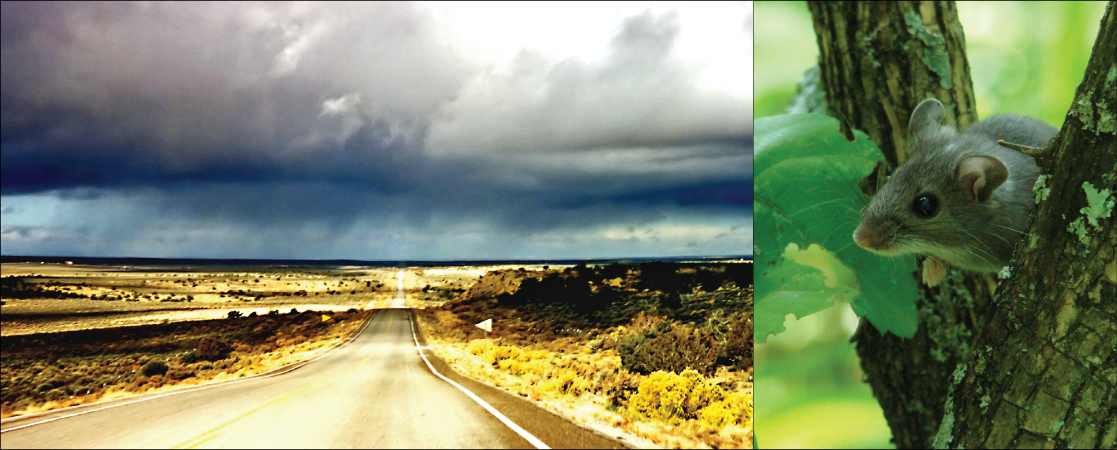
214,384
520,431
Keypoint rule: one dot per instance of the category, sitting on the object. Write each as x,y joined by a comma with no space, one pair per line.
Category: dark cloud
139,94
324,124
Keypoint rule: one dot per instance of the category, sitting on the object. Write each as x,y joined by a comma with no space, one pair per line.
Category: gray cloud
185,87
333,128
638,96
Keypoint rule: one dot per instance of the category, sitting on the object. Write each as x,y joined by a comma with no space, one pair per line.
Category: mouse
960,198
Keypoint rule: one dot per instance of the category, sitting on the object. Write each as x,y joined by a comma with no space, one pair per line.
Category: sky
376,131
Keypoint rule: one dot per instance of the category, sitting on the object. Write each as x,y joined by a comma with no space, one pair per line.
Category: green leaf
806,193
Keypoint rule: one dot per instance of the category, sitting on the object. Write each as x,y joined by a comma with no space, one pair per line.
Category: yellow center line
193,443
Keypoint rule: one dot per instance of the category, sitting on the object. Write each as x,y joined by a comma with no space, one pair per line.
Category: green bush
630,347
178,374
154,368
738,345
211,349
619,388
668,348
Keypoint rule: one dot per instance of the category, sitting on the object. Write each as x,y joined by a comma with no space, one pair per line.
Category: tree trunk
1043,372
880,59
877,62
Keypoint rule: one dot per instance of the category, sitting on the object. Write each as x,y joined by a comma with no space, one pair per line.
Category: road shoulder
552,428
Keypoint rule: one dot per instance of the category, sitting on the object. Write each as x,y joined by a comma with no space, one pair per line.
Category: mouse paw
934,270
991,283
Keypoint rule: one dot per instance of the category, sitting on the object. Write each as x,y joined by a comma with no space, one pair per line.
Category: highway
376,391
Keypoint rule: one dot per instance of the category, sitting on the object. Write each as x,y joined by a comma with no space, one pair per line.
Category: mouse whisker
987,250
998,237
817,205
979,241
982,257
1010,229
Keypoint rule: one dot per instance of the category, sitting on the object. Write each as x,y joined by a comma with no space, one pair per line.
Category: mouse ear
979,176
929,114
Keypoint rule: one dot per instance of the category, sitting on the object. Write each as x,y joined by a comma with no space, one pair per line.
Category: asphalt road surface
374,392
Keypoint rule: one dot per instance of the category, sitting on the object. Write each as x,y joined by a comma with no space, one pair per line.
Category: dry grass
50,371
54,297
249,284
589,385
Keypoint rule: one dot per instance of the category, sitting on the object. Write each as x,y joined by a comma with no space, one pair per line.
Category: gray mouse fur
982,192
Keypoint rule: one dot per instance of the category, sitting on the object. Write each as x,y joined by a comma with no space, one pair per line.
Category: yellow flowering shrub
734,409
506,352
567,383
671,397
702,395
662,396
478,347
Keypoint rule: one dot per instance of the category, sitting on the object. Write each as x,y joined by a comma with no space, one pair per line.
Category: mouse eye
925,205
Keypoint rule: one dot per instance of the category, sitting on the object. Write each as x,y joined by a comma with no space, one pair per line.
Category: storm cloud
374,131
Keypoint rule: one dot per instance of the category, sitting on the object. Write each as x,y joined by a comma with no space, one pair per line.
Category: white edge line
520,431
202,387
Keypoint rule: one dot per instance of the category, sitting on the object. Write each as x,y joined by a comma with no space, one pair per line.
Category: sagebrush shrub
211,349
619,388
630,346
668,348
178,374
737,349
154,368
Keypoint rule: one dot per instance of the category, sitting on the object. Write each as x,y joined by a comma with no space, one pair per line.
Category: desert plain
44,298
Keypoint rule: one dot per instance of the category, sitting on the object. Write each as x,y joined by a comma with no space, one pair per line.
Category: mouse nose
865,238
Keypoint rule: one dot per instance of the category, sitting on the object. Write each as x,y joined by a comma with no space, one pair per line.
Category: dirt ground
108,296
114,296
54,370
452,276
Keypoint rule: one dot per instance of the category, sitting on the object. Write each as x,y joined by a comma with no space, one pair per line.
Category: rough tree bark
1043,371
1042,363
